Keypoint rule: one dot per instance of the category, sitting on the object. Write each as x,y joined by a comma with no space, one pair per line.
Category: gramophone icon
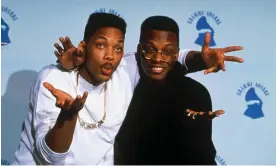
203,26
5,39
254,105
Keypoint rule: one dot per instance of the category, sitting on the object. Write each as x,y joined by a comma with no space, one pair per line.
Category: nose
158,56
109,54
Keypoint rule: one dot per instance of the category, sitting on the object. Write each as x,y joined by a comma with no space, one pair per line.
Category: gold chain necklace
91,126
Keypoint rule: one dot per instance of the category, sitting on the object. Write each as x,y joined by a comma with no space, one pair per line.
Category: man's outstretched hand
214,58
203,115
65,101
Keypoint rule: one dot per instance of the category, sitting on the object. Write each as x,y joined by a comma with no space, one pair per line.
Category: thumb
219,112
81,46
207,39
80,54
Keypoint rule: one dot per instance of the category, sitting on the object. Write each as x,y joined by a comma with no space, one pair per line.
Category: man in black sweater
157,129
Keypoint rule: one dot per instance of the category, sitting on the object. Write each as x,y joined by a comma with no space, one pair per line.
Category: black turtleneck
156,129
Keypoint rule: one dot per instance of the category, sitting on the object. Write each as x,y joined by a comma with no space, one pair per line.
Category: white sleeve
182,57
45,114
129,65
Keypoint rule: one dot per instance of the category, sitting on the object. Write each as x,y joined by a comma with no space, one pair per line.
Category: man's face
104,52
158,53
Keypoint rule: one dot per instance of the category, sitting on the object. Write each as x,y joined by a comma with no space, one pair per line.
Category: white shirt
88,146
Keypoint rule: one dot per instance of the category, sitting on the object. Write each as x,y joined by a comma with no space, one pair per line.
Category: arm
45,117
202,128
211,59
192,60
53,128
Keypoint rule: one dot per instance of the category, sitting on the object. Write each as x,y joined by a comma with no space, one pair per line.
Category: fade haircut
97,21
162,23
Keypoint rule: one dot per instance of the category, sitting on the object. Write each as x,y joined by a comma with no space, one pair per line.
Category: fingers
58,55
216,114
60,50
221,66
68,42
79,102
204,115
207,39
67,104
232,48
233,59
220,58
50,88
193,114
84,97
64,104
59,104
64,43
213,69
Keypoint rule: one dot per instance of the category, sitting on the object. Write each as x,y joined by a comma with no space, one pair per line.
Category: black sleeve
201,101
201,129
194,62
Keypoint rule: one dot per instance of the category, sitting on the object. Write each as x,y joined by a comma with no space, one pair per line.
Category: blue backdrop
244,135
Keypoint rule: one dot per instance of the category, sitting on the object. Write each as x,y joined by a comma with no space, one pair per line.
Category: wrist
195,62
66,116
200,61
64,69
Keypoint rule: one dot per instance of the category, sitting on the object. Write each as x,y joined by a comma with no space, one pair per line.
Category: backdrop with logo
246,134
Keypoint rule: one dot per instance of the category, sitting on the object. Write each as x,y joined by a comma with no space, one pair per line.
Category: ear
177,54
138,52
138,49
80,54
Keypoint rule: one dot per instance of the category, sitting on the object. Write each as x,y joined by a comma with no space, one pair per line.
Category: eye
118,49
168,52
150,49
100,45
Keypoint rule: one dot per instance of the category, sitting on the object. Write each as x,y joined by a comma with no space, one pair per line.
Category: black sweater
156,129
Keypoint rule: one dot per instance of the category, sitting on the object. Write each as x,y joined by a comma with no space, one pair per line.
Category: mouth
107,69
156,69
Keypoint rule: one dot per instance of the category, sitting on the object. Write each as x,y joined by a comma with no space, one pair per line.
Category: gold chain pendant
91,126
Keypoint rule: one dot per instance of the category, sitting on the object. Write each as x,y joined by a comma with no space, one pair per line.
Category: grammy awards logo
5,28
220,160
104,10
203,20
253,94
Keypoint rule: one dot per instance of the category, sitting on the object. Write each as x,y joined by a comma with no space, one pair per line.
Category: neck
85,74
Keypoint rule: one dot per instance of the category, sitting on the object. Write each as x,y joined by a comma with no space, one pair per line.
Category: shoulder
129,59
195,86
129,66
197,94
54,75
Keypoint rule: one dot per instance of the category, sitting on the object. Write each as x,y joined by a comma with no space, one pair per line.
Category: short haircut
162,23
97,21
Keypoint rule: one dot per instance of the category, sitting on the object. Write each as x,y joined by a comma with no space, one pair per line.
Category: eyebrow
154,44
104,38
101,37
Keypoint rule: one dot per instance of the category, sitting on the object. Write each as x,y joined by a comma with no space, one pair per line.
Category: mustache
107,66
156,64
